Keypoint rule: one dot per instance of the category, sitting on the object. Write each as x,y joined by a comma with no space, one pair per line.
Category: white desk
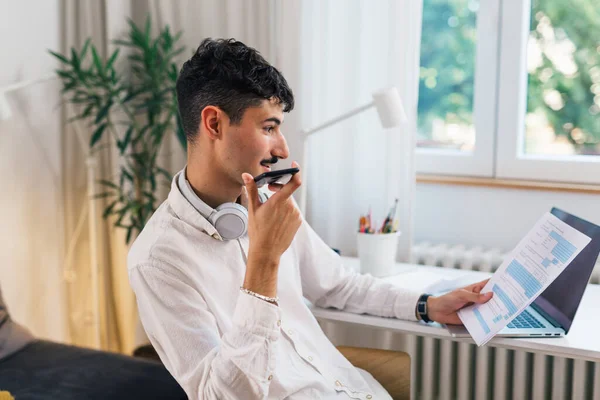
580,343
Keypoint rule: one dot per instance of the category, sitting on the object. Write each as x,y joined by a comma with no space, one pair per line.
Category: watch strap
422,307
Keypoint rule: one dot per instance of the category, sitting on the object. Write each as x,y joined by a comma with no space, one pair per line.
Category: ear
212,121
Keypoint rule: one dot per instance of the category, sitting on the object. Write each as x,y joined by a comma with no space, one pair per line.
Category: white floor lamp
391,114
89,208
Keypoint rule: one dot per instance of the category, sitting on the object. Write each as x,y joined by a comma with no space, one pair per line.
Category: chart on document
536,261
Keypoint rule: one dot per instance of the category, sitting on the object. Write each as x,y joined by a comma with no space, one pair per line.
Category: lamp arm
335,120
22,84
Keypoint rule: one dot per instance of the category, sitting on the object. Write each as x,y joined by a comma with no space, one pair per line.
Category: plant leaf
177,36
74,59
129,232
68,87
132,94
84,49
64,74
97,135
136,36
88,110
147,29
86,113
180,132
103,111
175,53
109,209
97,61
127,175
121,214
126,140
108,183
152,181
112,59
103,195
164,172
123,43
60,57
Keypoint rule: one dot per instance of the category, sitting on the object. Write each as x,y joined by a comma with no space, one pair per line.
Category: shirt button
279,323
369,396
290,332
271,377
338,383
310,358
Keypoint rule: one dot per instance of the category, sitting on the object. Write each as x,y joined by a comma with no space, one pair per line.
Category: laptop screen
561,299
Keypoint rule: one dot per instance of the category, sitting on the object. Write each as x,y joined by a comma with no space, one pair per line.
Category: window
445,117
455,119
563,92
510,89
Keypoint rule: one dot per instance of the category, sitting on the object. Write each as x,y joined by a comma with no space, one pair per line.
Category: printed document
537,260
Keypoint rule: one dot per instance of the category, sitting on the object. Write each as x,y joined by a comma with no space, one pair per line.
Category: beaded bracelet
273,300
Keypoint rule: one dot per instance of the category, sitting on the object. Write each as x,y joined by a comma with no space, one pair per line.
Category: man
227,317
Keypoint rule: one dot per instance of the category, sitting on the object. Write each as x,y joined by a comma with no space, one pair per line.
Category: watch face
421,307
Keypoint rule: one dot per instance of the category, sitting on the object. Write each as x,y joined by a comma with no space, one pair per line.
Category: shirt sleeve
238,364
326,282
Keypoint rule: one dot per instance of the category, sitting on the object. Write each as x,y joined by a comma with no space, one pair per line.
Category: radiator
463,371
444,370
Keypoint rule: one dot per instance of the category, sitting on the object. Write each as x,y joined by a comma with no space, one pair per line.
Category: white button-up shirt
221,343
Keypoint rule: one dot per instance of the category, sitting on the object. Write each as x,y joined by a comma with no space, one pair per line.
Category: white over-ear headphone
229,219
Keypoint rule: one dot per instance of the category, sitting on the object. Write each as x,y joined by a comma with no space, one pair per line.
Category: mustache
270,161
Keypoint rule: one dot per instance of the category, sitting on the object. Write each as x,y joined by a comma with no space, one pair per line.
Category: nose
281,149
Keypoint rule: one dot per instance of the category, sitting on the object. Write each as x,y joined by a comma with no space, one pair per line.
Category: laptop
552,313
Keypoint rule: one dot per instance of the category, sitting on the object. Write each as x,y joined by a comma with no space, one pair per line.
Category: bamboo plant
136,105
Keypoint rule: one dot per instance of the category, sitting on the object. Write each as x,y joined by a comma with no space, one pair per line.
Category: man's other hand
443,309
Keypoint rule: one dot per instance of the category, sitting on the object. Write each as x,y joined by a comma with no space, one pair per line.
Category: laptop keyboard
525,320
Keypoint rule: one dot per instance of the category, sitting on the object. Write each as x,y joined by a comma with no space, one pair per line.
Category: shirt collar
186,211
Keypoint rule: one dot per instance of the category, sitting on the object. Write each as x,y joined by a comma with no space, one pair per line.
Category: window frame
511,162
499,109
478,162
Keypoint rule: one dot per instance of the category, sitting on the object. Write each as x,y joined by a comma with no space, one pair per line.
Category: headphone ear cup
230,220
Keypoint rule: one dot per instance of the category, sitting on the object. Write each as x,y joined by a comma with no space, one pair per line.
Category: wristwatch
422,307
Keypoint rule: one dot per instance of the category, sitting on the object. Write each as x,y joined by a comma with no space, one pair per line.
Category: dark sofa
32,369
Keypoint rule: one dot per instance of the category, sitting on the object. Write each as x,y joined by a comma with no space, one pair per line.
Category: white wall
490,217
31,235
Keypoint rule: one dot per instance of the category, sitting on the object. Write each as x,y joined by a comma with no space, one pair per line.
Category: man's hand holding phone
271,228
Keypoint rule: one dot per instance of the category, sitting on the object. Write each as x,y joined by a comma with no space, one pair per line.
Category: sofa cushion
48,370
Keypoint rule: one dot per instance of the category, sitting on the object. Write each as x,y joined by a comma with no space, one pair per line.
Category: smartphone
281,176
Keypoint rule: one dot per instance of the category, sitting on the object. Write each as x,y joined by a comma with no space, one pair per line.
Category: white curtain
335,54
342,51
101,21
31,204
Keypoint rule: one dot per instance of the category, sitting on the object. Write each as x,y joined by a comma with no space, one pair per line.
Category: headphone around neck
229,219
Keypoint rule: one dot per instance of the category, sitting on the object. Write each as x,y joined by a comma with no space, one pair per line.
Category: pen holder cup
377,252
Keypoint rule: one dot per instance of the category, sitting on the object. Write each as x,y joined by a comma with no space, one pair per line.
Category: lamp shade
389,107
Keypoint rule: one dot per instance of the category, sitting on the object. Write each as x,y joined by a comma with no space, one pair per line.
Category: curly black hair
230,75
